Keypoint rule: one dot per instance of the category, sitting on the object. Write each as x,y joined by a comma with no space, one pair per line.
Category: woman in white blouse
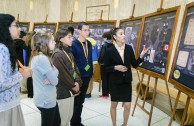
118,61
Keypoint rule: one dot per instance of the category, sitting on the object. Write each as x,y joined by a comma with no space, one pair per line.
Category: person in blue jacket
82,52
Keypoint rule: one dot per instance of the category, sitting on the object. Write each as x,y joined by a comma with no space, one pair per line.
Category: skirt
121,92
12,117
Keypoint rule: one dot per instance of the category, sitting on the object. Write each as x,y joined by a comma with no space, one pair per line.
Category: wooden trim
65,23
182,88
129,19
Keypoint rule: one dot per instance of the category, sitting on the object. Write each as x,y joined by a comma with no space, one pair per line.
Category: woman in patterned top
10,110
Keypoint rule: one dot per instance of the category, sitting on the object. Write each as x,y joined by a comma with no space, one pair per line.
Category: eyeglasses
86,30
16,25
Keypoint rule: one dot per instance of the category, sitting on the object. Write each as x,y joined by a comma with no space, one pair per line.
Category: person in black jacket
118,61
107,44
28,54
20,48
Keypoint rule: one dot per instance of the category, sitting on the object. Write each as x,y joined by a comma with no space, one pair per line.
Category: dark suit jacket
113,58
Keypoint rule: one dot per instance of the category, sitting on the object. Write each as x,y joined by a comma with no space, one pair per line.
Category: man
82,52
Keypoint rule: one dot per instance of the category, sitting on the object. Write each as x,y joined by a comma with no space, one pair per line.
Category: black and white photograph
45,26
132,29
98,29
24,26
156,36
66,25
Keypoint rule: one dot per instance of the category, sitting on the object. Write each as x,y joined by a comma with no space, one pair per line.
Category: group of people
61,68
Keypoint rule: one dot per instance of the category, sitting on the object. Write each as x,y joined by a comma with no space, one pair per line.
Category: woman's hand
27,72
121,68
46,81
76,88
144,51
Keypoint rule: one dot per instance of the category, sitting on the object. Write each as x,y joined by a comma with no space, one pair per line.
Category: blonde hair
29,37
40,42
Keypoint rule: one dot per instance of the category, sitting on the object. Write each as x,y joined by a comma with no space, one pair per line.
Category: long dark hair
60,34
5,37
114,32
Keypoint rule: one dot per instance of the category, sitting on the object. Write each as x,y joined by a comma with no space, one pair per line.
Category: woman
10,109
118,61
69,76
45,78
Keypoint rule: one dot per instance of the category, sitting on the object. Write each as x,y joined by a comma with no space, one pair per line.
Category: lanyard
85,49
71,60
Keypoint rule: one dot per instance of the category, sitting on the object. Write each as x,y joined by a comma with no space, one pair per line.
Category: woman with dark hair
69,76
118,61
10,109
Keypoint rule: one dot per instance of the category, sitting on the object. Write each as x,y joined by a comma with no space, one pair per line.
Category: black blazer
113,58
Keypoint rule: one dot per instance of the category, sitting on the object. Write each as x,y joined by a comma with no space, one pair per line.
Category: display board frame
187,90
164,11
25,23
138,35
67,23
101,22
47,23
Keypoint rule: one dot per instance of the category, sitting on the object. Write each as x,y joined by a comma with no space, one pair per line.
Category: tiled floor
96,113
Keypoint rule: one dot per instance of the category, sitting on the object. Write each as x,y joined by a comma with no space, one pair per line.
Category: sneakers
88,95
104,96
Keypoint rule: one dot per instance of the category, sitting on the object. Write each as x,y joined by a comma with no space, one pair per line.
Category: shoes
82,124
104,96
88,95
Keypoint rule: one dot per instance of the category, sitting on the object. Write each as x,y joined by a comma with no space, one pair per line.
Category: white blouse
120,50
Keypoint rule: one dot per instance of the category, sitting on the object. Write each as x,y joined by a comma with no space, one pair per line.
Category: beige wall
60,10
32,10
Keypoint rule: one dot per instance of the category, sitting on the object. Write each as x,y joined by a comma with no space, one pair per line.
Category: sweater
80,59
44,94
66,79
9,81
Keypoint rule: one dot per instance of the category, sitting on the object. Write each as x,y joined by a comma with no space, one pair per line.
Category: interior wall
32,10
60,10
